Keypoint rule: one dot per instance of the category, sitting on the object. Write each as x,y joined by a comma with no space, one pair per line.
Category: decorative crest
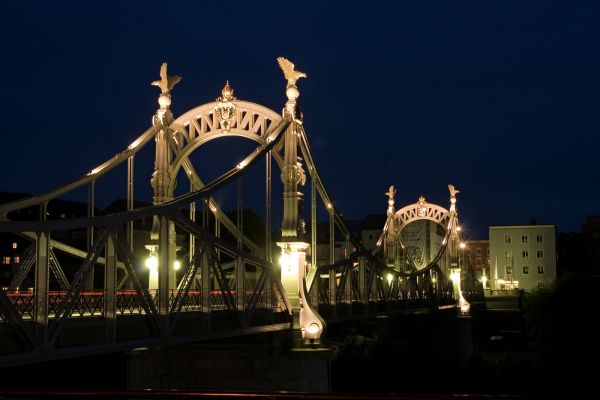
225,110
422,207
289,72
166,83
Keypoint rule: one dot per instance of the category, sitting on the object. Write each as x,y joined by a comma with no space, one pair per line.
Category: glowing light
313,328
390,277
455,276
484,280
433,280
462,245
329,206
134,144
285,261
242,164
96,170
177,265
212,207
458,228
152,263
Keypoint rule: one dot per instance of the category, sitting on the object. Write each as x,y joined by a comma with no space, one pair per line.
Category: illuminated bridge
224,284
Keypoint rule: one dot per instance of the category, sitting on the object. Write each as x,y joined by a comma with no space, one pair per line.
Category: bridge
221,287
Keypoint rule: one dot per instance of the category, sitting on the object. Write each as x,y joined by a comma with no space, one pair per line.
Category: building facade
478,252
522,257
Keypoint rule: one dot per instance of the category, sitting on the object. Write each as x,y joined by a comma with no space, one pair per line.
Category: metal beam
110,283
41,289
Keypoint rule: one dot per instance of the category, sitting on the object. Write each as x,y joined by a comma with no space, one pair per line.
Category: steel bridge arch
200,125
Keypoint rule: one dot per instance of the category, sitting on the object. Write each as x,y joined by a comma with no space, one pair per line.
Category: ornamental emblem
225,110
422,208
294,174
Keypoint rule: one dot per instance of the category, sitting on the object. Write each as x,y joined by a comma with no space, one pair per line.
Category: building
522,257
478,252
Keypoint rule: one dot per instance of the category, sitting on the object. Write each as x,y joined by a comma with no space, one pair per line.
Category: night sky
500,99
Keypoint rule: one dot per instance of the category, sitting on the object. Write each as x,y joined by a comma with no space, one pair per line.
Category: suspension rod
130,185
268,207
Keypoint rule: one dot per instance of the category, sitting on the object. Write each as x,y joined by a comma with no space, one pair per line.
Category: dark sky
498,98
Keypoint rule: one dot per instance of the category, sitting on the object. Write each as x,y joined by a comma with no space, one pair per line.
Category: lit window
540,269
541,284
17,259
63,216
5,260
525,270
525,254
508,270
540,254
14,246
539,238
524,239
507,239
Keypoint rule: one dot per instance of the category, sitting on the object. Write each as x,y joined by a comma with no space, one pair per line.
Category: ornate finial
390,194
289,72
166,83
453,191
226,93
291,90
225,109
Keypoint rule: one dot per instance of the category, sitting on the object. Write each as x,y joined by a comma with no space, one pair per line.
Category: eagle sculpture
453,190
166,83
391,192
288,71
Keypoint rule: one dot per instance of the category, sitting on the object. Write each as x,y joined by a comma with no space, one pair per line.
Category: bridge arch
201,125
421,210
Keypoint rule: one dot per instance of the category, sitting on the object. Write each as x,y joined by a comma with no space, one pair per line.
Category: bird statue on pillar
391,192
290,74
453,190
166,82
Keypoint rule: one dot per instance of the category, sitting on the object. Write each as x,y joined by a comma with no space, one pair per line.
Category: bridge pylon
293,246
162,246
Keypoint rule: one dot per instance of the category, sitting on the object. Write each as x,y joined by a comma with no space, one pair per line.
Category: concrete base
230,367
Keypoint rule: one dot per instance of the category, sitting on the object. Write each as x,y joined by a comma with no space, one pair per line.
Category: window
17,259
508,254
370,236
525,270
14,246
478,261
507,239
5,260
539,238
540,269
540,253
508,270
524,239
541,284
525,254
478,251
